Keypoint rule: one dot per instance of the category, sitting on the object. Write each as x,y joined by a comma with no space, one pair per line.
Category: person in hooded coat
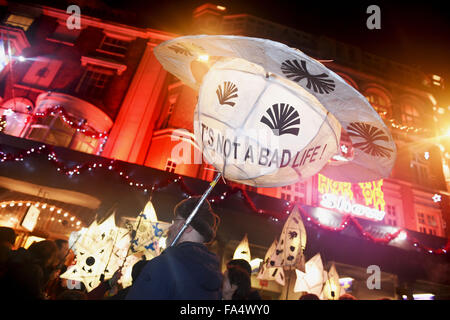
188,270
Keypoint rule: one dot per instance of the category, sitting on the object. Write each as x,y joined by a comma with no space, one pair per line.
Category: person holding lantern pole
186,270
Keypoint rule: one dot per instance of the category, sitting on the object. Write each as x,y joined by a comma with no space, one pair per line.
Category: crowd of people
186,270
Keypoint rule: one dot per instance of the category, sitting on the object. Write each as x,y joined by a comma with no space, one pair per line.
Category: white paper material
267,73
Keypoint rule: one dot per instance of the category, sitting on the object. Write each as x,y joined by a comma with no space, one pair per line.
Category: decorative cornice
17,36
120,68
117,28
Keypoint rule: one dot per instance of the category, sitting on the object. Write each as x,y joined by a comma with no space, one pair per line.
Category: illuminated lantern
313,278
332,287
149,212
243,250
255,264
97,253
267,271
289,250
268,115
126,279
148,232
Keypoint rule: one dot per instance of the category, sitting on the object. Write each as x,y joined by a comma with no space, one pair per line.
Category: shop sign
31,217
340,197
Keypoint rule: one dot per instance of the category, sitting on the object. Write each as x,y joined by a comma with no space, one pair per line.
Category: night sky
414,33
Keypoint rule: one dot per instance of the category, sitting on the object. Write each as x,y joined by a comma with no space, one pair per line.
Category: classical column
132,131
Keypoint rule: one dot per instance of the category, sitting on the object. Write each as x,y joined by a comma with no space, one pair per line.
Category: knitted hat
241,263
205,220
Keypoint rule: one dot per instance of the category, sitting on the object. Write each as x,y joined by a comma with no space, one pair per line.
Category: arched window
410,113
380,101
16,112
54,130
349,80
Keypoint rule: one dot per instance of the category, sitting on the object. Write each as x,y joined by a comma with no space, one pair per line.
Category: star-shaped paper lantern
292,243
243,250
313,279
267,271
332,287
149,212
148,232
95,254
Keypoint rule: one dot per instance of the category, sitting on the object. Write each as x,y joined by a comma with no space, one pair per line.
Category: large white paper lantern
260,129
269,115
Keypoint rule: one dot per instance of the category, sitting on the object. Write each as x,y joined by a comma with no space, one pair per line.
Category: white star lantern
267,270
289,250
99,250
148,232
243,250
314,277
332,288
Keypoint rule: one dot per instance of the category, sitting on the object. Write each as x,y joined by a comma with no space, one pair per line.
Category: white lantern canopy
268,115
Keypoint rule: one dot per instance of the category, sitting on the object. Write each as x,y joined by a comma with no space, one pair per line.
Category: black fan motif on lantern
369,134
319,82
283,119
228,92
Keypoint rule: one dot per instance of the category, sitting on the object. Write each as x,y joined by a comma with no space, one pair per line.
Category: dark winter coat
25,279
187,271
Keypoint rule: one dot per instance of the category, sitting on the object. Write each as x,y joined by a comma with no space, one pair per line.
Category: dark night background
413,33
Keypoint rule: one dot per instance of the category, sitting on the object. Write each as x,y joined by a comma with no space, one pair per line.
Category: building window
114,46
390,210
421,218
16,111
410,115
390,217
19,21
54,131
392,222
431,221
379,101
165,123
285,196
420,169
171,166
250,188
428,223
64,35
94,82
300,187
42,72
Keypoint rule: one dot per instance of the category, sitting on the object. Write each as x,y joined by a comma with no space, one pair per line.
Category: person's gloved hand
115,278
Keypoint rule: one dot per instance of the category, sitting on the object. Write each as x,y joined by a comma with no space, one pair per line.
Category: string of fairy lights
80,125
114,168
60,214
